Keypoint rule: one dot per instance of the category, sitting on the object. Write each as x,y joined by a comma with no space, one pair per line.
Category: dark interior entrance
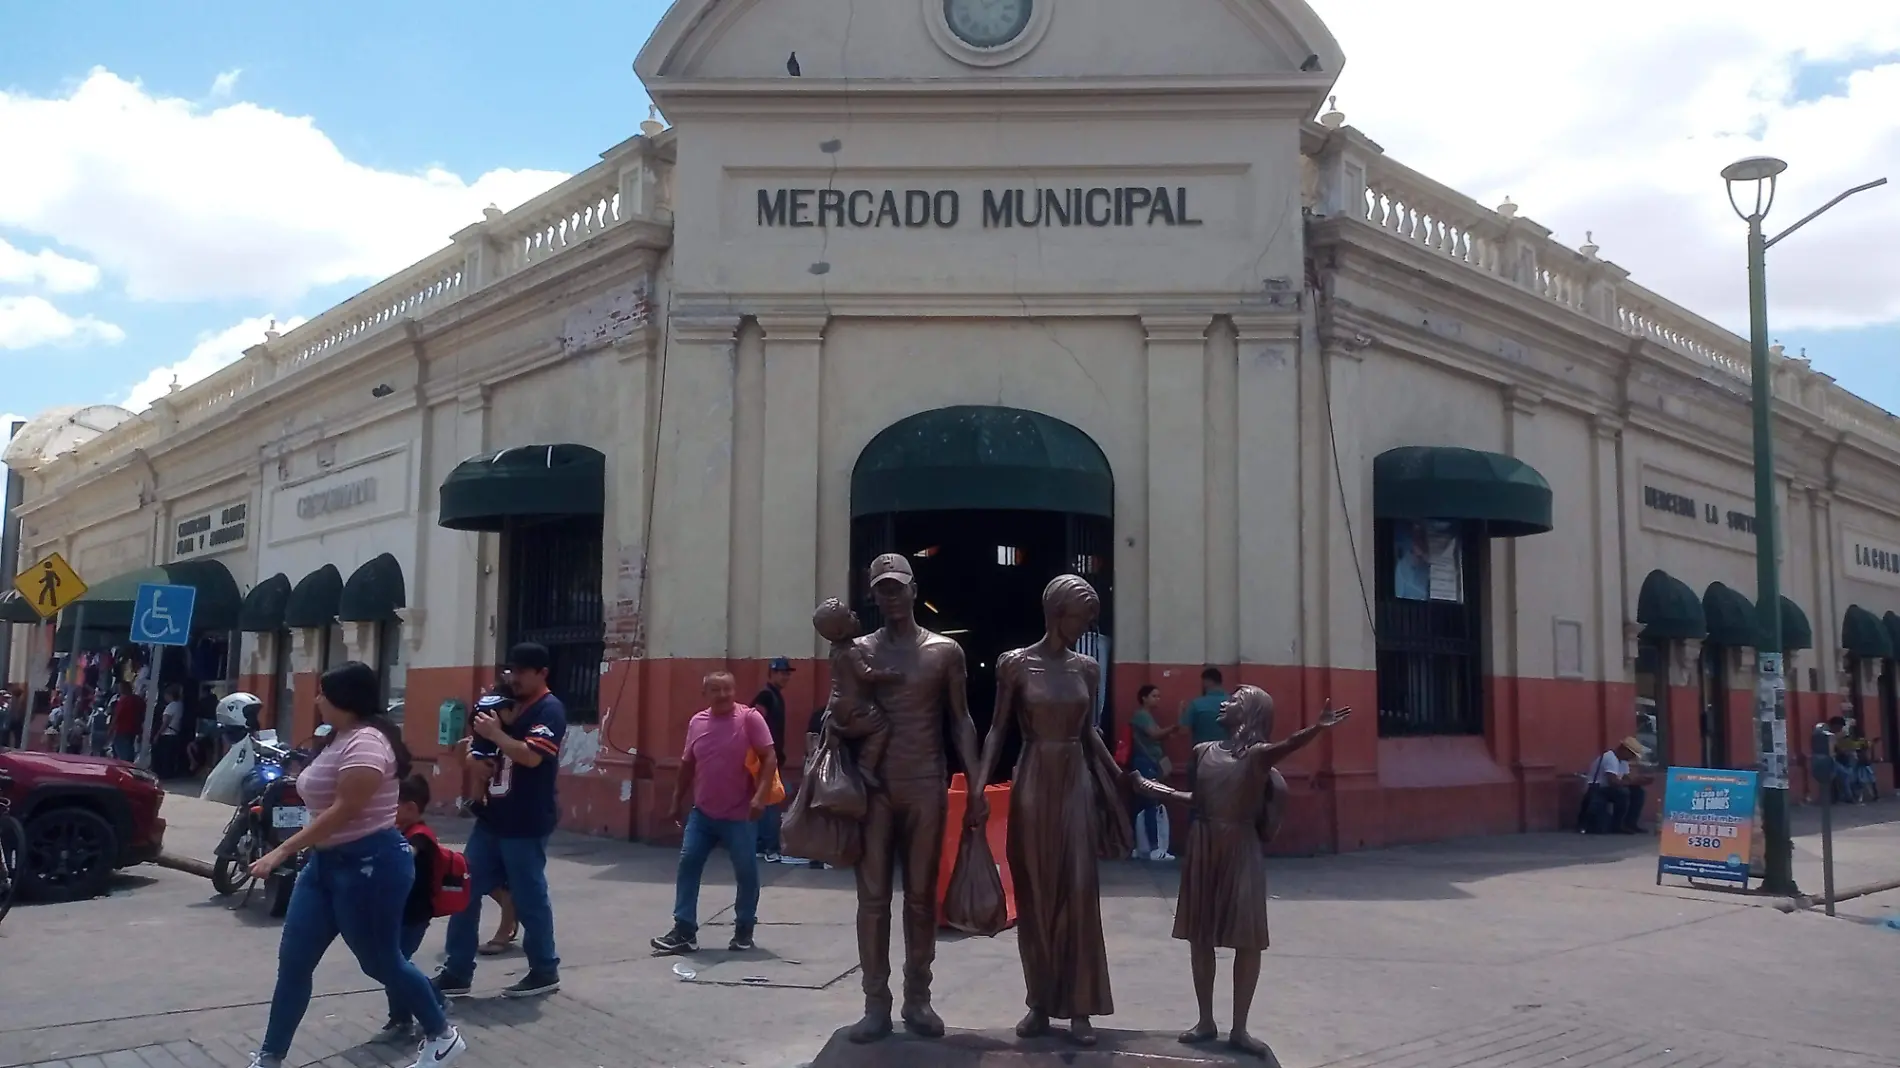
1890,712
1714,706
988,504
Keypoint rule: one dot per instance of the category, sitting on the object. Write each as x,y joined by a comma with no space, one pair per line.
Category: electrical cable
1345,506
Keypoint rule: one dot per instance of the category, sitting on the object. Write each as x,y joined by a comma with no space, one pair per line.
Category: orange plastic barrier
997,832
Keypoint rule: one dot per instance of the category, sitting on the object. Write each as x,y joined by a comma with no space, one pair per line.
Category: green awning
485,492
1669,610
1442,482
1731,617
982,457
92,639
313,602
1796,633
1892,622
1864,635
109,603
373,592
263,608
16,609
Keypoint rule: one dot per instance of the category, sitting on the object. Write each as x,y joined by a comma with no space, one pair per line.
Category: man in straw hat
1613,798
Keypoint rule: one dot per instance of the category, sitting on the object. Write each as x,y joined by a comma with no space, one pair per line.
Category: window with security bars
1429,615
554,599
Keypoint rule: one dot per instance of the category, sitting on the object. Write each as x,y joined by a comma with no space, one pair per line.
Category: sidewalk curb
1806,901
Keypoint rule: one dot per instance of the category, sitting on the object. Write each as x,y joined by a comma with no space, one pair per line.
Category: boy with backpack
441,889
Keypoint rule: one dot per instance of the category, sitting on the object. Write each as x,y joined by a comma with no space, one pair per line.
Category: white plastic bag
225,784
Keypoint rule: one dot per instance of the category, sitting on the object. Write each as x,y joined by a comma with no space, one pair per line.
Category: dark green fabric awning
982,457
1669,610
1796,633
484,492
1892,622
92,639
1730,617
263,608
1442,482
313,602
1863,635
373,592
109,603
15,609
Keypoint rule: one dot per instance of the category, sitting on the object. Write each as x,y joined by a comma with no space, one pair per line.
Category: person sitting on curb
1613,796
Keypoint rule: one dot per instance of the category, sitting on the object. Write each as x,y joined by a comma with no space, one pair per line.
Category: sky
175,177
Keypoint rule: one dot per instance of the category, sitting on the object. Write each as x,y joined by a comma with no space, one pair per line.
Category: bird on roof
1311,64
791,66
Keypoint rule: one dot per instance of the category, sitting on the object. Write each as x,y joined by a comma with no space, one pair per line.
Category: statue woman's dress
1064,812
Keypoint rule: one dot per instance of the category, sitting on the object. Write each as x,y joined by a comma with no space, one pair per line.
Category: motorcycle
272,811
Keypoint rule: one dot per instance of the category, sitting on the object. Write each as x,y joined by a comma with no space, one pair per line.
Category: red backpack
450,891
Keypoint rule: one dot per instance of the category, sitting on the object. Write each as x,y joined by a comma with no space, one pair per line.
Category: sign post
1708,825
160,616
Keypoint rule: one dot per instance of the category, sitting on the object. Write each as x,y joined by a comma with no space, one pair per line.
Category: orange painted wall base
1351,790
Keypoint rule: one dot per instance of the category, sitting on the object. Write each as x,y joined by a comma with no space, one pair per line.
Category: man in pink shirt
727,801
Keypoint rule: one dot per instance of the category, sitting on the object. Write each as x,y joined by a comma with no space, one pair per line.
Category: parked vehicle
270,812
12,835
81,819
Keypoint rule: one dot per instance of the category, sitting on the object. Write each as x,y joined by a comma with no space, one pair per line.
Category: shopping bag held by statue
974,903
818,835
836,788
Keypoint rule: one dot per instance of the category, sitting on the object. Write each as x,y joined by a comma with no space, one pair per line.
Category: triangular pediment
1279,44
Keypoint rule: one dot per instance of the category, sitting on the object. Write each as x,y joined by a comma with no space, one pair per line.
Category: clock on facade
987,23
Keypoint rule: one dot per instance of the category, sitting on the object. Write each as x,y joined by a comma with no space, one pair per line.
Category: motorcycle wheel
251,856
232,872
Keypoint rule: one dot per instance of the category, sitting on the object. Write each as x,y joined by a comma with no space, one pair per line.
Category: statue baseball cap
892,566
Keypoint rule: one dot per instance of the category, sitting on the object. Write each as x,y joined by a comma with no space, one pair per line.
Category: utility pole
1771,693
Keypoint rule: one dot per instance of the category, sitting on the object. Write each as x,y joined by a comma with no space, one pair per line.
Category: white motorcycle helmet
240,710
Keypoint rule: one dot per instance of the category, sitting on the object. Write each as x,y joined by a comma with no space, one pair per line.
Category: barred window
1429,614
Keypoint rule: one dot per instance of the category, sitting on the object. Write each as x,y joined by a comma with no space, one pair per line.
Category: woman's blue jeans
356,890
1149,814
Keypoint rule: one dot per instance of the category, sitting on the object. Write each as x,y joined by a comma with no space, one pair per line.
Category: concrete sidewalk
1526,950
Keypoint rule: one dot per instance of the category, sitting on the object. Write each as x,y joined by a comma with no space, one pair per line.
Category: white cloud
27,322
47,268
1616,118
186,203
226,81
211,353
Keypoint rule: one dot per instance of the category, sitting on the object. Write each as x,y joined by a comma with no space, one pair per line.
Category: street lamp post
1771,707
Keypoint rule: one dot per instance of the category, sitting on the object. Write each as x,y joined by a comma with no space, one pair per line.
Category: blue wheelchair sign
162,614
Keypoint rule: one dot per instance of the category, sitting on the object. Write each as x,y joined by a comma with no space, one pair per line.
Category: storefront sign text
214,531
336,498
1685,506
868,209
1871,558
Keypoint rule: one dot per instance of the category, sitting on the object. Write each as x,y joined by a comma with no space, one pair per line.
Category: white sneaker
443,1051
260,1060
1161,854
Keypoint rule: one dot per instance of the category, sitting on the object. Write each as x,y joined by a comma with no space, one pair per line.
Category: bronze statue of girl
1223,899
1066,814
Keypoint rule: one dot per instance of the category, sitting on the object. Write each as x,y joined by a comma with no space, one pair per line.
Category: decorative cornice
793,327
1523,399
705,329
1176,328
1256,327
1606,426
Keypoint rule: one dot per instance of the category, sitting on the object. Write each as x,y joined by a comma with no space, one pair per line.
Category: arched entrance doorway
989,504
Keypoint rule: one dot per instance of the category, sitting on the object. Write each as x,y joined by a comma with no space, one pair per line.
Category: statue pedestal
1002,1049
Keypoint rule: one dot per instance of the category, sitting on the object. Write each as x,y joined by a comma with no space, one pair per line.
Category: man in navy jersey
509,845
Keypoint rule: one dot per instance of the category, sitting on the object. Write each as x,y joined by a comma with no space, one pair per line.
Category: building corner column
1177,490
1615,690
794,408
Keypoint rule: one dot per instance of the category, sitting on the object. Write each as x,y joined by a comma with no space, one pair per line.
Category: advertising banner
1708,825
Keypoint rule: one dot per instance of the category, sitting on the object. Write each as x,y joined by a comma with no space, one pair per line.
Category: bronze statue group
874,793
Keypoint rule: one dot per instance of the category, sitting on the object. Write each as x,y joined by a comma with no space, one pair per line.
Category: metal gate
1431,653
554,599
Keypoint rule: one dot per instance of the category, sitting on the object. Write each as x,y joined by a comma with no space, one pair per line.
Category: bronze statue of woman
1065,812
1223,898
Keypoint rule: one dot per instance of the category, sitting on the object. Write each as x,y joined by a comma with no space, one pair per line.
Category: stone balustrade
628,183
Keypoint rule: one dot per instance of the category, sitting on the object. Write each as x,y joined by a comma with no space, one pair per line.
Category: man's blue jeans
521,865
356,890
703,835
768,831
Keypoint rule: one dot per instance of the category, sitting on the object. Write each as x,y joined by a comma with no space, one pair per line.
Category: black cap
529,656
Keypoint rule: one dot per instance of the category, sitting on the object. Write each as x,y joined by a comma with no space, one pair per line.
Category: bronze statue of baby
1223,898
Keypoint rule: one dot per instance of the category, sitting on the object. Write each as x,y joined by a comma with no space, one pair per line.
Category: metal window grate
554,599
1431,653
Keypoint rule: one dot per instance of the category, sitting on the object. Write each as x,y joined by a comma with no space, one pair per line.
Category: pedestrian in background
727,801
509,845
1202,715
357,881
128,723
771,704
1145,756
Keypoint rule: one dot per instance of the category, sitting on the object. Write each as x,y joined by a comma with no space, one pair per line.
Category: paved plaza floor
1534,951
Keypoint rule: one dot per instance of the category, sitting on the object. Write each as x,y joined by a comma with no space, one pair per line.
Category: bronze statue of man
907,812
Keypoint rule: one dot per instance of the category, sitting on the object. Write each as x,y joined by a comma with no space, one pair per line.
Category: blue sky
182,173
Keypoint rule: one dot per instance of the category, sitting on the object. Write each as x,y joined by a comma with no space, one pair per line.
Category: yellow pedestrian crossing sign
49,585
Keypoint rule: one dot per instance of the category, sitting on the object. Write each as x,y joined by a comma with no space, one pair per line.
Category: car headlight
146,777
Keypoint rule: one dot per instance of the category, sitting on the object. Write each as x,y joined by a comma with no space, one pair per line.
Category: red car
85,818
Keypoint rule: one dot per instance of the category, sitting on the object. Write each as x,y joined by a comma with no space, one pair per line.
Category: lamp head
1760,170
